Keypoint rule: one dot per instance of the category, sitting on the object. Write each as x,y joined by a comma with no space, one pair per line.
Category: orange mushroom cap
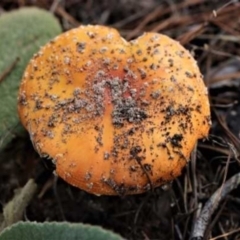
116,117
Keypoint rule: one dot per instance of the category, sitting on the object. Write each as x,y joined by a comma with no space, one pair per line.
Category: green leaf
22,32
13,211
57,231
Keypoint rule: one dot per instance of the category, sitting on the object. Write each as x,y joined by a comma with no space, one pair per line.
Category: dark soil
210,29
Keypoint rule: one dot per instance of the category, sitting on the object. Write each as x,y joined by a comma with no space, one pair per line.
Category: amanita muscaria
116,117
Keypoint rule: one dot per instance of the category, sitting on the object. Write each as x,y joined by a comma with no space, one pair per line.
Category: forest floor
210,29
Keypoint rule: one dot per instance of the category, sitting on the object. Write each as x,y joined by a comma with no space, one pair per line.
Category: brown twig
235,75
233,139
226,234
211,205
61,11
159,12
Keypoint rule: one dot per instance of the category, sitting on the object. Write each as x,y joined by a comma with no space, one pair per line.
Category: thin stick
211,205
226,234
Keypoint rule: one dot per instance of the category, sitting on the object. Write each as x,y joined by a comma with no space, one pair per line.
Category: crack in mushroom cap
117,117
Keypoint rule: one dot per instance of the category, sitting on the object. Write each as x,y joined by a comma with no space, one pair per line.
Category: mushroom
116,117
